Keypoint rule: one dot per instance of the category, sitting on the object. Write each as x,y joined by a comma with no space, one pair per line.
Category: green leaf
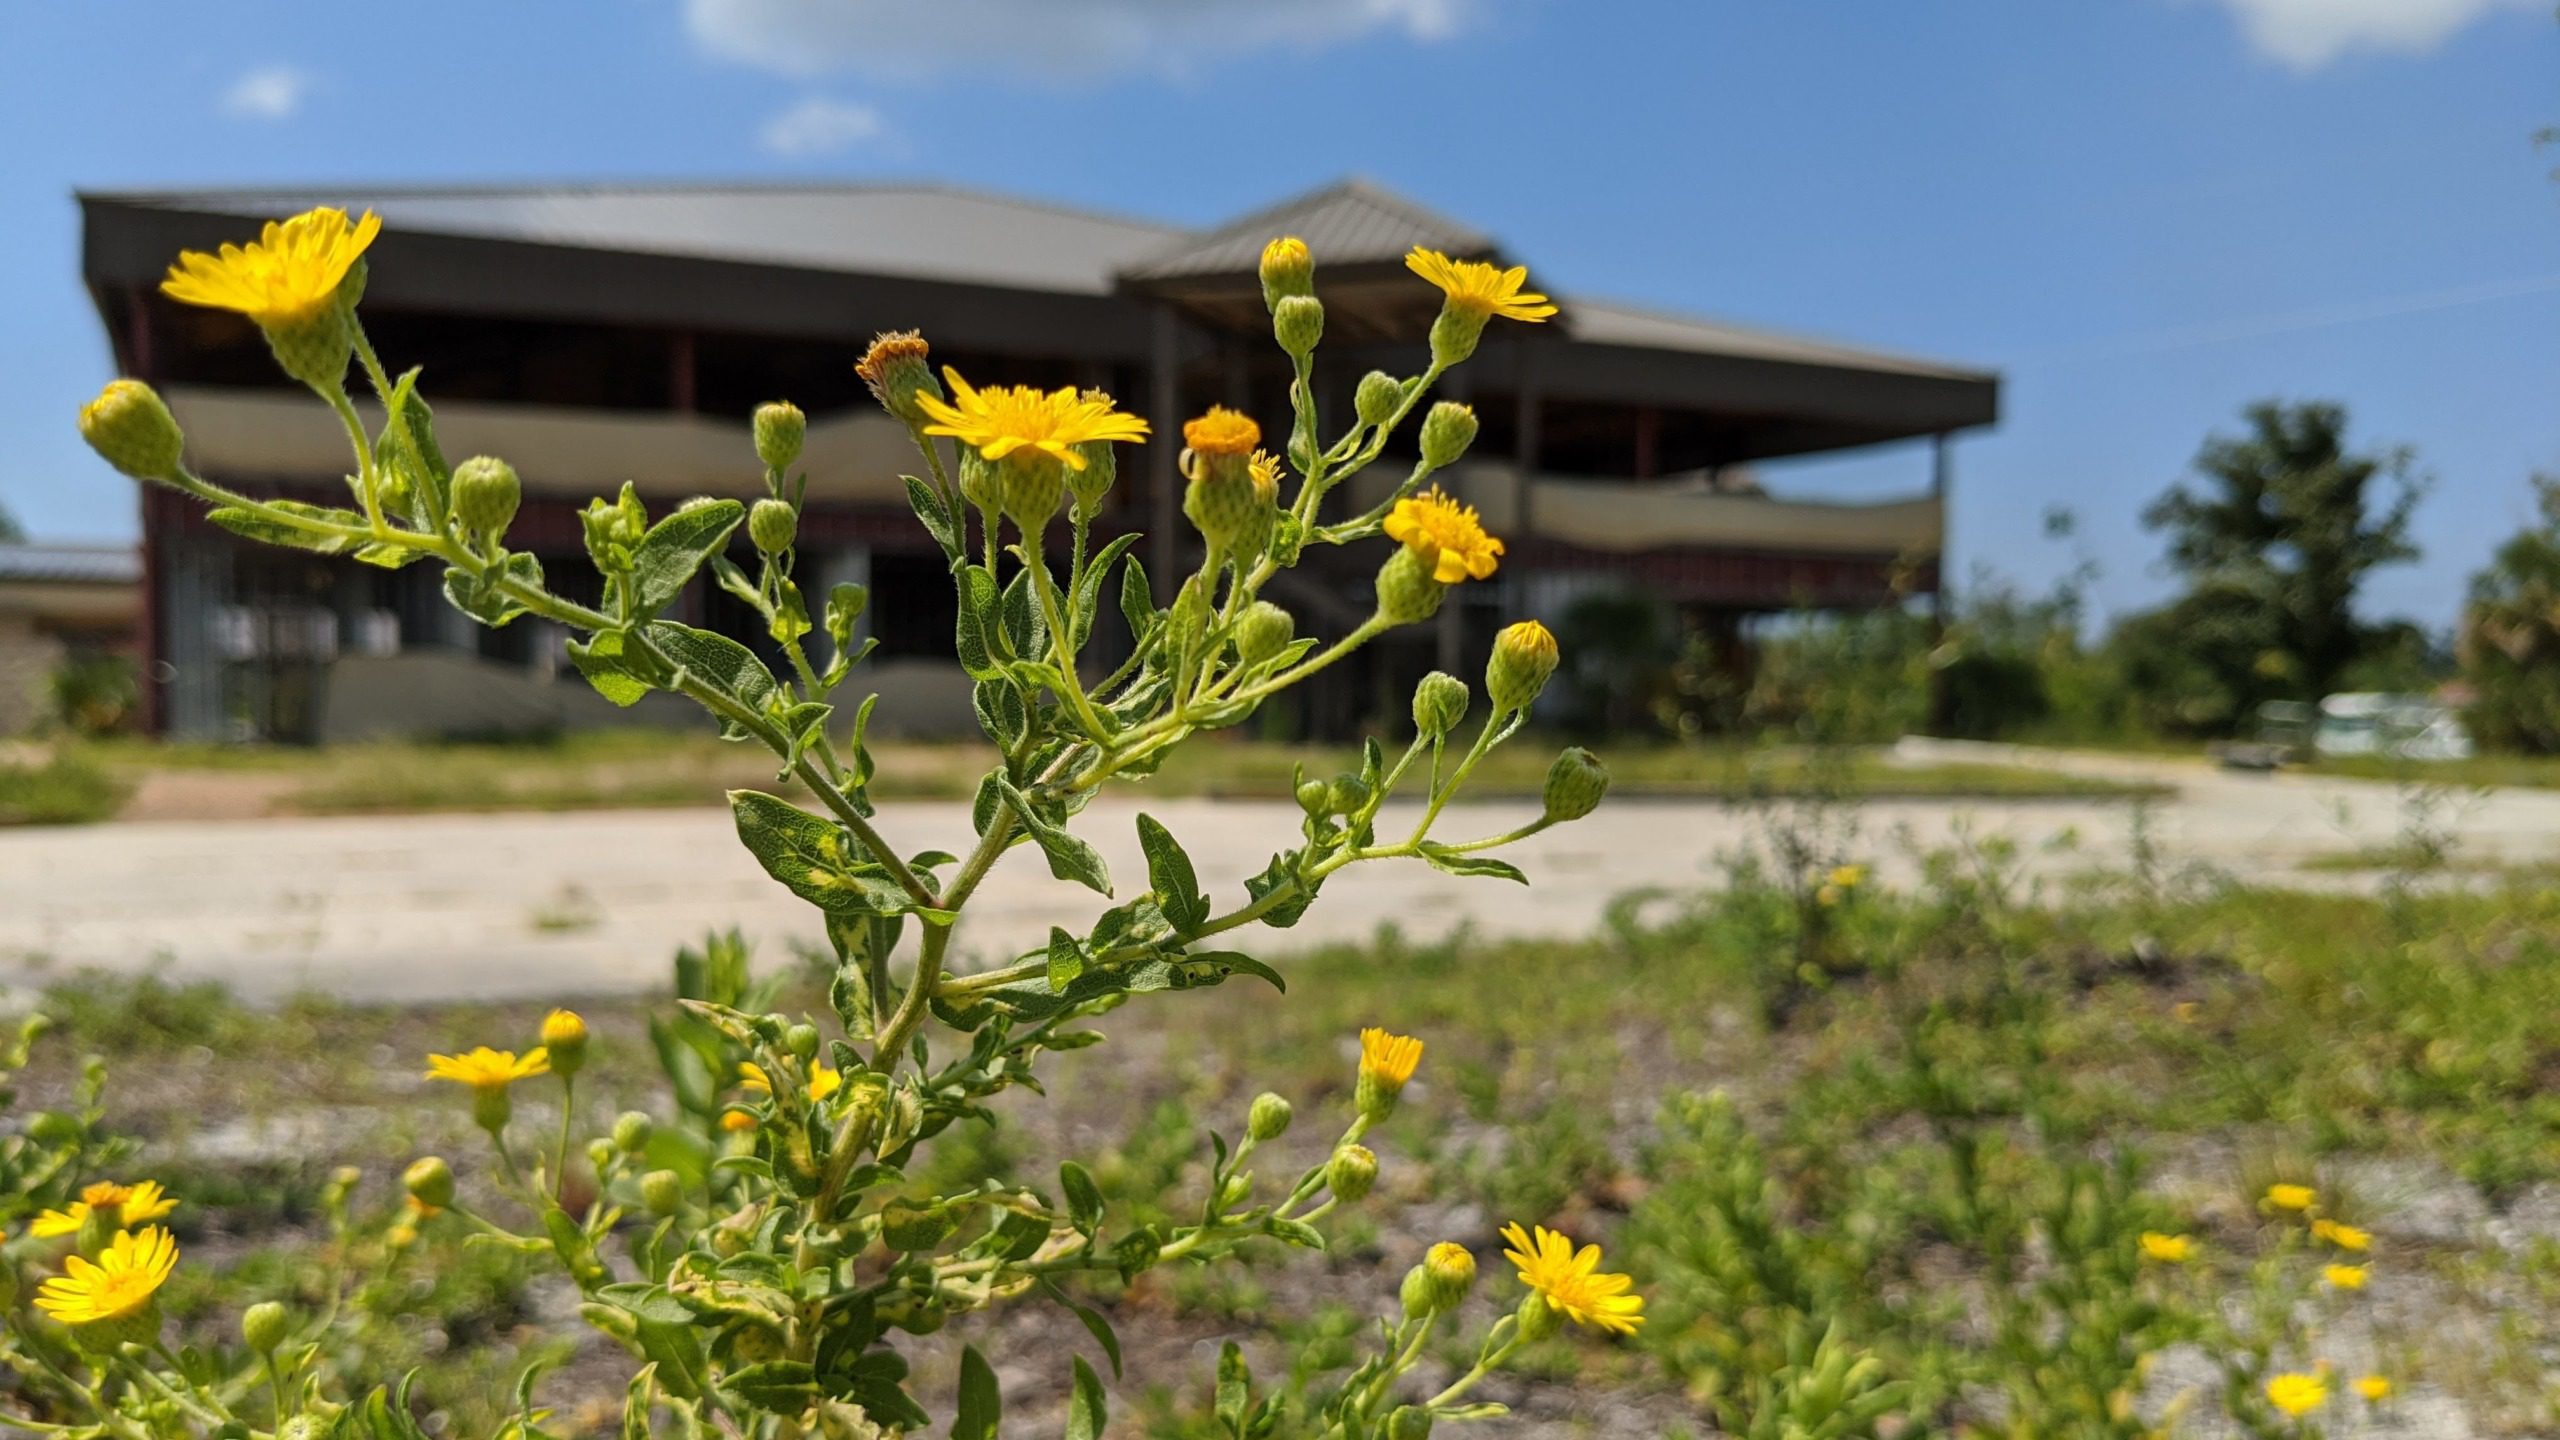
1070,858
602,660
260,526
483,600
1169,871
638,1399
813,857
1282,871
977,633
1443,859
790,614
1084,1198
937,518
390,557
1087,1410
1066,959
780,1387
1137,601
406,449
1026,626
718,661
1088,596
980,1406
1232,962
1094,1324
665,560
1235,1388
1296,1232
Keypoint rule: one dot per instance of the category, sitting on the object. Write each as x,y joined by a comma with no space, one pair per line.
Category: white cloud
819,126
1058,38
2307,34
270,92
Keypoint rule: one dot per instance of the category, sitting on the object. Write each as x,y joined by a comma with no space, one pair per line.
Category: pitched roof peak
1352,221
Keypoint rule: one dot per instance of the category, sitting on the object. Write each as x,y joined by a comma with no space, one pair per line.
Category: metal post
1164,399
1525,428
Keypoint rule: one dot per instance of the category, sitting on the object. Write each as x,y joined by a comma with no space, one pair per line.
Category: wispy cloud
2307,34
820,126
1056,38
270,92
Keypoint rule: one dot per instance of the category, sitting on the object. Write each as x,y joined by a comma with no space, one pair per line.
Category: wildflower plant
757,1244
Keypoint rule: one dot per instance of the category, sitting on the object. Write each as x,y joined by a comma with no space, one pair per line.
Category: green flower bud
1287,269
1538,1319
780,430
1407,590
1034,484
905,1225
1575,784
1439,703
1351,1173
662,1191
895,369
773,525
430,1181
264,1326
1455,333
1409,1422
1297,322
1092,484
801,1041
564,1040
1415,1294
131,428
315,348
1313,796
491,1107
981,482
632,1131
1451,1269
1447,432
1524,656
97,1228
1262,631
601,1154
1377,398
1269,1118
485,495
1345,794
1235,1190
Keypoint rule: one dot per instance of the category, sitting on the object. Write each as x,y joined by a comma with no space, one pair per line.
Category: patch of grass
66,788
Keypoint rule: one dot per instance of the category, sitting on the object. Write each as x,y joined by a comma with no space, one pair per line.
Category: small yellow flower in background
2297,1394
2167,1249
2375,1388
1479,287
2345,1277
1447,536
1002,419
564,1041
1848,877
119,1283
134,1205
1570,1282
823,1082
736,1121
2186,1011
1828,896
1287,268
290,273
2291,1197
2345,1237
482,1068
1222,432
1386,1063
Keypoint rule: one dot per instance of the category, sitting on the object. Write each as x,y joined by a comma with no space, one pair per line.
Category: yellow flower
1848,877
735,1121
1445,535
1477,286
2297,1394
2291,1197
2168,1249
1222,432
2345,1237
290,273
1265,471
119,1283
2344,1277
1002,419
563,1027
823,1082
1388,1059
485,1069
134,1205
2375,1388
1828,896
1570,1282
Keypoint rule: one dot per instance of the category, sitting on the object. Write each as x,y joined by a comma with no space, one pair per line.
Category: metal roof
1348,223
71,564
1601,322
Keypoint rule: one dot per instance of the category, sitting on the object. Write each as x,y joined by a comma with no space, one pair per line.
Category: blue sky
2144,212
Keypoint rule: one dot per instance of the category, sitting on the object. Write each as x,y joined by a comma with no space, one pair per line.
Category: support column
1941,475
1164,400
683,394
1524,463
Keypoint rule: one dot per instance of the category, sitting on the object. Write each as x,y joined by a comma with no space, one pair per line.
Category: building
593,335
64,605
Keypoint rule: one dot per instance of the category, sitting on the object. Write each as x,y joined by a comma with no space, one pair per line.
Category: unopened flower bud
1262,631
801,1041
1351,1173
486,493
564,1039
1409,1422
896,371
429,1181
1575,784
1439,703
632,1131
1407,589
908,1226
1452,1271
662,1191
1346,794
1447,431
1268,1119
1297,322
600,1153
1377,398
1524,655
1538,1319
772,525
1222,498
1092,484
264,1326
981,479
1288,269
1455,333
1313,796
780,430
1234,1190
131,428
1415,1294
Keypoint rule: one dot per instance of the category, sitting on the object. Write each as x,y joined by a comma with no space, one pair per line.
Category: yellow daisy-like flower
1570,1281
2345,1277
2375,1388
2345,1237
2297,1394
735,1121
133,1204
1222,432
1002,419
290,273
1848,877
1446,535
2291,1197
120,1282
1389,1059
485,1069
1477,286
2167,1249
823,1082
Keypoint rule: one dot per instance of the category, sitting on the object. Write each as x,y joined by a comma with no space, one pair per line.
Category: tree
2510,644
2274,534
10,531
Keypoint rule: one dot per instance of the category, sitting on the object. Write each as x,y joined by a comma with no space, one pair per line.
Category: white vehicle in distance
2404,727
